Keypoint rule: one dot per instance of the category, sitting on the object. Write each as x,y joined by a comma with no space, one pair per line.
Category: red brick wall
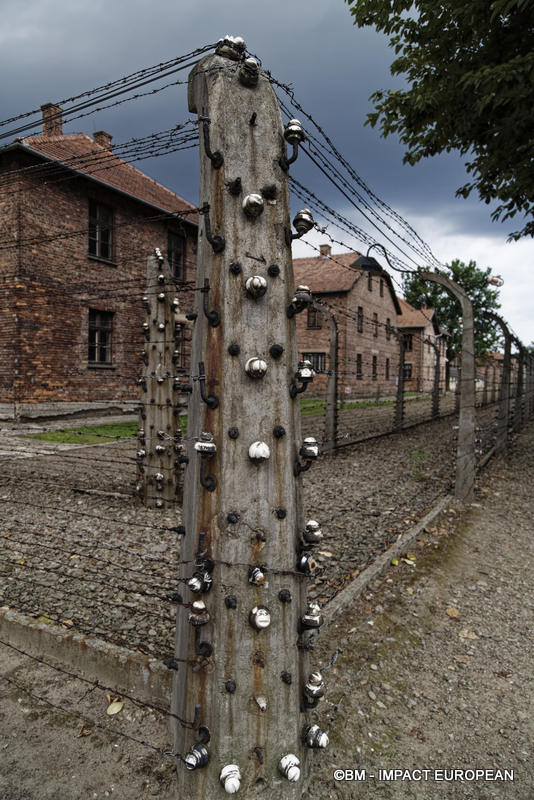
422,359
344,306
61,283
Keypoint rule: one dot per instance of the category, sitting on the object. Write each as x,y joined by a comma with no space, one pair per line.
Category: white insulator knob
230,778
256,286
260,617
256,367
289,767
253,205
259,451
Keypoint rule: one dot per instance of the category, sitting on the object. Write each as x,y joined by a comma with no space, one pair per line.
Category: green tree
484,297
469,65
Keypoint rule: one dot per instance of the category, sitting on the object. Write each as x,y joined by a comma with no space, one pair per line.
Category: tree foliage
470,69
448,309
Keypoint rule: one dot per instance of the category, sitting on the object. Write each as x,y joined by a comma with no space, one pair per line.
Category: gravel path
76,549
430,670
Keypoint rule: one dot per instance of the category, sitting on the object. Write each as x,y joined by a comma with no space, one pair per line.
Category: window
381,287
359,366
388,329
408,342
387,369
175,255
315,321
407,372
100,332
369,281
360,320
100,230
318,360
373,375
375,324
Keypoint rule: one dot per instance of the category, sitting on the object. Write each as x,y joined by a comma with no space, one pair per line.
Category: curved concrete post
519,394
465,458
504,391
435,387
399,399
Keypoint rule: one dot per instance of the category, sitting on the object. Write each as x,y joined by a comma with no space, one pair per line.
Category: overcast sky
51,49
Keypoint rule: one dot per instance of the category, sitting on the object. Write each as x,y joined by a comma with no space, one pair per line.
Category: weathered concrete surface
113,666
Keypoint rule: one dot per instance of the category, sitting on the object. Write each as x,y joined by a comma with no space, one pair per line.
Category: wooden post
242,682
159,483
465,457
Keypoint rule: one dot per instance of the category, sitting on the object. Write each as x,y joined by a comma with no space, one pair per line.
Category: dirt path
432,669
438,660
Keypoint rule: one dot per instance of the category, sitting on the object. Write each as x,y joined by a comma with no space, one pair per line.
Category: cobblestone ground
431,669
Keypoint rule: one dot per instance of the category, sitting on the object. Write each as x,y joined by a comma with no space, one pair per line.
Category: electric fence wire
111,89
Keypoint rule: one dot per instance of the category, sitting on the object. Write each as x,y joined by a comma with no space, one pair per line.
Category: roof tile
78,151
327,273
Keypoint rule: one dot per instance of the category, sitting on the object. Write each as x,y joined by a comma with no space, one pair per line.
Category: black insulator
281,513
232,518
235,268
276,350
284,595
203,734
230,686
230,601
234,349
233,433
179,529
286,677
191,316
235,187
273,271
279,432
270,191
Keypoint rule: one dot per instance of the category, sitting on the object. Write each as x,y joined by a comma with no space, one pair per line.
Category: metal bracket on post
216,158
213,317
211,400
217,242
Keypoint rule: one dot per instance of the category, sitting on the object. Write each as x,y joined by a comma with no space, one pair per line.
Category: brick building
77,226
366,309
421,331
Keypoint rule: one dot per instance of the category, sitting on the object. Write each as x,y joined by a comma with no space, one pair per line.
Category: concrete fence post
519,411
503,412
435,386
159,470
399,398
465,457
242,690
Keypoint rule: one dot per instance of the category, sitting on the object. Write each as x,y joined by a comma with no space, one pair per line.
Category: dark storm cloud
50,49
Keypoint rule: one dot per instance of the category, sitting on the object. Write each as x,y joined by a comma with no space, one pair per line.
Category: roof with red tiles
332,273
80,152
325,274
415,317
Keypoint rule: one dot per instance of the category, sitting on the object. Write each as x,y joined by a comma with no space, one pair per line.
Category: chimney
325,249
52,120
103,139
